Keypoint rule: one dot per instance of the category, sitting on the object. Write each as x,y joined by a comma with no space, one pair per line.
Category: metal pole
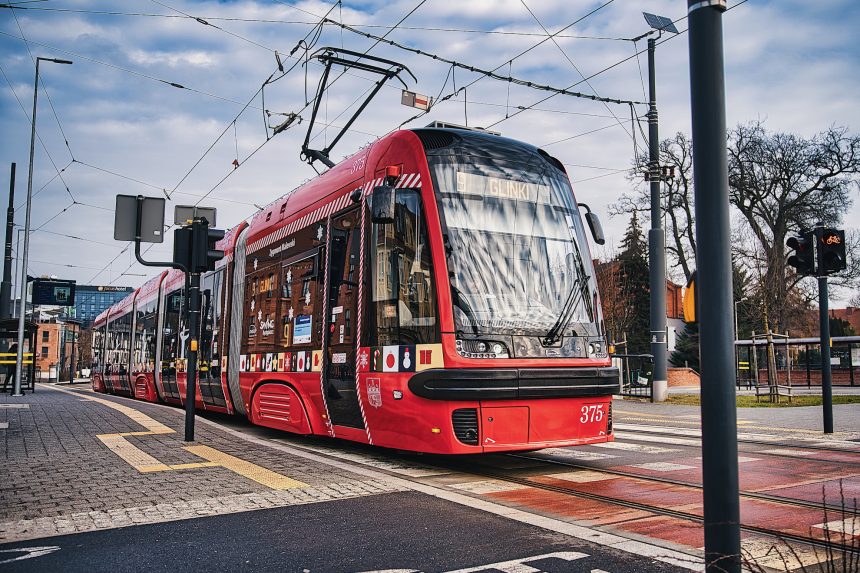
191,370
713,233
23,286
656,243
72,358
824,325
6,287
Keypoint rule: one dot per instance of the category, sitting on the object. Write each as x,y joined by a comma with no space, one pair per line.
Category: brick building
851,315
55,343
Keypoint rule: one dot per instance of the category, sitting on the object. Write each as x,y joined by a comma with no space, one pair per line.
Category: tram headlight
481,348
597,348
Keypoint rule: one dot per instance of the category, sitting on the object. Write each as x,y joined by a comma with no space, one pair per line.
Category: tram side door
340,332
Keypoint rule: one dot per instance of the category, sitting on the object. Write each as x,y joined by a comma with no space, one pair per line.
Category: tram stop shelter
8,337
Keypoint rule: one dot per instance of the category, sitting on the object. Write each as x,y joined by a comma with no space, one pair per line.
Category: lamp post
743,298
16,390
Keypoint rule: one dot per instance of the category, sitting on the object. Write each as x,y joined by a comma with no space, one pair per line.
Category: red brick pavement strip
59,477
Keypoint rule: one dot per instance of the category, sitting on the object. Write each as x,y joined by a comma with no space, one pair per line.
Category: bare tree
676,202
781,183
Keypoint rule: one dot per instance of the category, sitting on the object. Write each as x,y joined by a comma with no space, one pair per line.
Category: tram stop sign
151,218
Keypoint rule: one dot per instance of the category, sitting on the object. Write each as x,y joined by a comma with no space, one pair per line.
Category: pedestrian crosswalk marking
662,467
583,476
848,526
658,439
634,448
577,454
488,486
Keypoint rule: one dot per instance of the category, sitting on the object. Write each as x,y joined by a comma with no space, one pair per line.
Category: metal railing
636,372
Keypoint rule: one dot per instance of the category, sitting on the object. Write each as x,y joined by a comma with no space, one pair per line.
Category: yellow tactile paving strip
246,469
145,463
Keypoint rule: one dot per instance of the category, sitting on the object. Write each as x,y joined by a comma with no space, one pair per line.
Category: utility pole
824,331
6,286
713,234
656,243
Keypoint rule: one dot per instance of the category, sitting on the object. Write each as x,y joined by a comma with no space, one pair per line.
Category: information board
53,292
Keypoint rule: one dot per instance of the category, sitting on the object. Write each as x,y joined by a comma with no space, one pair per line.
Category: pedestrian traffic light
803,258
205,255
831,251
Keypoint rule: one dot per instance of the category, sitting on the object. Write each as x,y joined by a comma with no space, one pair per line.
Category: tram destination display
53,292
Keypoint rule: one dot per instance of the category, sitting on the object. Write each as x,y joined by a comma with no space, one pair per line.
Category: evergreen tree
633,260
686,351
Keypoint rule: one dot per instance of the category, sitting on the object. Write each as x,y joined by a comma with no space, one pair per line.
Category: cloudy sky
164,95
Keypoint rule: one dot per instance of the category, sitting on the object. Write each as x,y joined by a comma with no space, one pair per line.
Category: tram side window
137,362
172,346
122,343
149,322
210,354
98,341
403,301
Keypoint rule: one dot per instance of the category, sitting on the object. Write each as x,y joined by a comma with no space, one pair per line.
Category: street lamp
743,298
16,389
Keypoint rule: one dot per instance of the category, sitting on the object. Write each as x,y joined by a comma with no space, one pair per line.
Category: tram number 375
592,413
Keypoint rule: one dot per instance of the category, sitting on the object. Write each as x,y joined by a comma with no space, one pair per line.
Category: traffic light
803,258
205,255
182,241
831,250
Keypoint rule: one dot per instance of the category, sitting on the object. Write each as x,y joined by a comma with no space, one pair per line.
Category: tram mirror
382,205
596,228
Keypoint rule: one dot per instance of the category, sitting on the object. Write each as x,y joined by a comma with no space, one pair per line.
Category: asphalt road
406,532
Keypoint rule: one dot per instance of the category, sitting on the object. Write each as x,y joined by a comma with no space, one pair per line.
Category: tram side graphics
467,321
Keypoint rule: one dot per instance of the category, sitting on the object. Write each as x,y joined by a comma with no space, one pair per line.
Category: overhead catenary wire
307,23
45,89
568,58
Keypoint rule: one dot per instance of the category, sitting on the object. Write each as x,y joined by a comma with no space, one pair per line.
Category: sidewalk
76,461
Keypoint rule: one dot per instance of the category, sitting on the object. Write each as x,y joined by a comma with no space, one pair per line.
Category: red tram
434,292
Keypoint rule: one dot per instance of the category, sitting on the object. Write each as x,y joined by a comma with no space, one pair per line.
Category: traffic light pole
720,489
826,382
192,283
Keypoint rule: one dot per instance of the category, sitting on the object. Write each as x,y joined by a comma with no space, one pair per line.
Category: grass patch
750,401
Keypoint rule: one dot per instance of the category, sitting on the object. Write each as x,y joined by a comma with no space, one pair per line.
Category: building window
45,335
44,352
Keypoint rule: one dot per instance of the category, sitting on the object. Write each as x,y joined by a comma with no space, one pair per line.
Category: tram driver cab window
403,301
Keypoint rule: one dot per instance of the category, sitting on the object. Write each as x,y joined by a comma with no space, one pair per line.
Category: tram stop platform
103,483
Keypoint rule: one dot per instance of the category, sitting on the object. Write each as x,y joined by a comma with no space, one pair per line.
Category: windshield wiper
579,287
460,302
570,304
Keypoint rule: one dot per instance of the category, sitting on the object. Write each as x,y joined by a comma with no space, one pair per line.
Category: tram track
681,483
841,547
633,435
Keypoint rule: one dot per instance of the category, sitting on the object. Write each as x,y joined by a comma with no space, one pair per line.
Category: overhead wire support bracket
338,57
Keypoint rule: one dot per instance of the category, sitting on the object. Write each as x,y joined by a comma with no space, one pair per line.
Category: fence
636,372
798,361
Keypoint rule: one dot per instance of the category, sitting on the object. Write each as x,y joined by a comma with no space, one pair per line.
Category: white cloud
792,62
173,59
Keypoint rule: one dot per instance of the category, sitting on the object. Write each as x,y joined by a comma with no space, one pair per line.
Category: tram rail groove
682,483
844,548
627,433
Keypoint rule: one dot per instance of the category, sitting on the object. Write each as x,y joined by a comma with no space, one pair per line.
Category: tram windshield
516,248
